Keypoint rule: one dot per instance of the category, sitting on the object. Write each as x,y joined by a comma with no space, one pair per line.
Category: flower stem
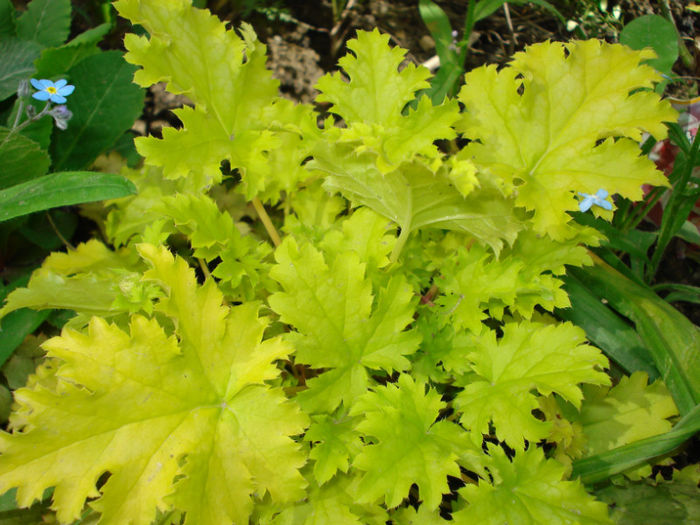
19,113
265,218
403,237
17,127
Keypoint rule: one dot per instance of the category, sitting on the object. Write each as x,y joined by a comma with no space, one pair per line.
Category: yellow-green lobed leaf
538,121
160,413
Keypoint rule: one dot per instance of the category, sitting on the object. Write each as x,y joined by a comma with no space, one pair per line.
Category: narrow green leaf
680,292
61,189
444,82
7,19
22,159
549,7
672,340
486,8
46,22
439,26
601,466
105,104
656,32
16,63
607,330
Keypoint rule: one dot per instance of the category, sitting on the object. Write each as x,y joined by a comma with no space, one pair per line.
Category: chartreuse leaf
372,102
315,212
539,121
628,412
159,412
236,102
335,444
139,218
530,356
333,503
340,324
528,490
522,277
409,446
213,235
422,516
366,233
386,158
415,197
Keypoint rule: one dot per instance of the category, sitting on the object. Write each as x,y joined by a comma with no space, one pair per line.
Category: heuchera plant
391,357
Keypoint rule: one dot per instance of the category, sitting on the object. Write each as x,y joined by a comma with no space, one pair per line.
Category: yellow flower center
51,90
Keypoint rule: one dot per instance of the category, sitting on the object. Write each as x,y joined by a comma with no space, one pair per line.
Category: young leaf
521,277
538,121
372,102
409,446
366,233
530,356
159,412
213,234
340,325
336,443
528,490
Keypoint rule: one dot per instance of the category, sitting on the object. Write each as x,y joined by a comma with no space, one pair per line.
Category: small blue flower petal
605,205
64,91
55,92
41,95
586,203
598,199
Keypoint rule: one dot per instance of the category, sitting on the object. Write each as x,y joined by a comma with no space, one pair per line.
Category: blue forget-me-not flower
598,200
54,91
